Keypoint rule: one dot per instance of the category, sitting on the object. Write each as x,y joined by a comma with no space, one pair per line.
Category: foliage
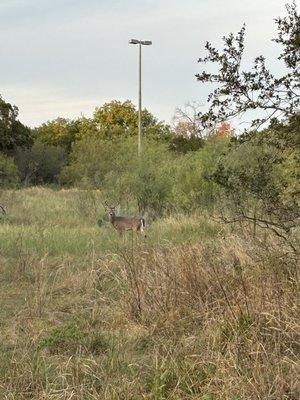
224,129
160,181
239,91
194,188
260,172
116,115
118,118
91,159
110,121
187,134
59,132
113,165
182,144
9,177
12,132
186,121
147,181
40,164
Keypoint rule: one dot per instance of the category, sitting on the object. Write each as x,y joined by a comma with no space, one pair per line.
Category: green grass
183,314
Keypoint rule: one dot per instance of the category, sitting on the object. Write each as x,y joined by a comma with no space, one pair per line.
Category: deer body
122,224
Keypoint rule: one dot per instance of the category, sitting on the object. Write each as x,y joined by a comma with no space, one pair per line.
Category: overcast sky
65,57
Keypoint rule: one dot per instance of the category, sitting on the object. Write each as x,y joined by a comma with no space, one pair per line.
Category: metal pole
140,103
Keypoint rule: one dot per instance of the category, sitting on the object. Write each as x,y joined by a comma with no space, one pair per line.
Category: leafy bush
9,176
92,159
260,173
194,187
40,164
159,181
148,181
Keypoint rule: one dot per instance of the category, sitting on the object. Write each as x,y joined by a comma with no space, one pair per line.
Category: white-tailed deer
122,224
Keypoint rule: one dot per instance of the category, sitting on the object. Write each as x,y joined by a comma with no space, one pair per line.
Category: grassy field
194,311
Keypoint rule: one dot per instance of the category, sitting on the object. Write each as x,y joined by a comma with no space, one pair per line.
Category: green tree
237,91
111,120
260,173
118,118
148,183
40,164
13,133
59,132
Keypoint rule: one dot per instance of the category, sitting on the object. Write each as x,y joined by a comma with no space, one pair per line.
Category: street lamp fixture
140,43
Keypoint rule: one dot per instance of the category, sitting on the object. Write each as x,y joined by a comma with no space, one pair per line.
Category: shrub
260,175
91,159
148,181
40,164
9,177
194,188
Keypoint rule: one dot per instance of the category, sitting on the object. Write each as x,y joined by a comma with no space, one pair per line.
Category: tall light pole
140,43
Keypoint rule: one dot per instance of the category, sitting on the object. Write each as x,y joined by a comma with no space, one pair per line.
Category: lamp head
134,41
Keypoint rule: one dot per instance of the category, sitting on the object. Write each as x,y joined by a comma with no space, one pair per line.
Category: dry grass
183,315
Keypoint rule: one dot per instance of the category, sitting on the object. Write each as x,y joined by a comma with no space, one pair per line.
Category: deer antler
108,206
105,205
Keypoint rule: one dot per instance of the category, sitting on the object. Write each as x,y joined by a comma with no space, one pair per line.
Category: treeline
40,154
101,152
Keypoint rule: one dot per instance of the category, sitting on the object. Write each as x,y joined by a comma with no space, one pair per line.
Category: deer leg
140,229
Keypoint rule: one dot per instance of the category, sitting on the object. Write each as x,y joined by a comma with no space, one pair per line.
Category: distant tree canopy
59,132
188,134
118,118
240,91
114,119
13,133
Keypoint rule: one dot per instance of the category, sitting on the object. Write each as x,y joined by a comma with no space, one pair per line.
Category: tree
13,133
224,129
40,164
240,91
260,169
187,134
112,120
260,175
186,121
118,118
58,132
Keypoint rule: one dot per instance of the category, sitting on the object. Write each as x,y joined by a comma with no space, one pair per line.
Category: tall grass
192,312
